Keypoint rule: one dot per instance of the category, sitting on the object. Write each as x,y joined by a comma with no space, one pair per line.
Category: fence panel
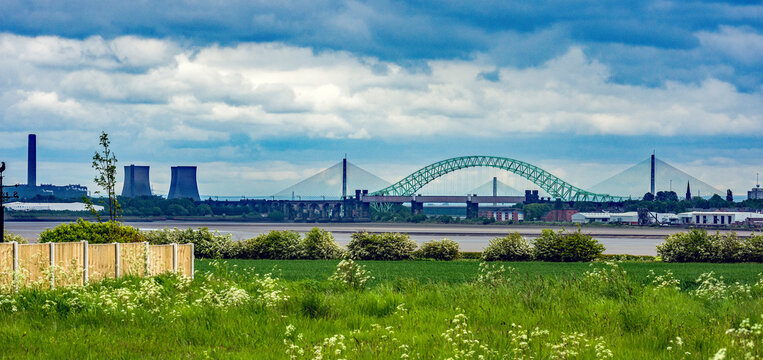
101,261
161,258
185,260
34,264
6,264
69,258
132,259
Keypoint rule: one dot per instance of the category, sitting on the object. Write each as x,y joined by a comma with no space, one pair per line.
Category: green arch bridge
551,184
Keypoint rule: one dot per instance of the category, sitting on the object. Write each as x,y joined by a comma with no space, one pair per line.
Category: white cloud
266,90
741,44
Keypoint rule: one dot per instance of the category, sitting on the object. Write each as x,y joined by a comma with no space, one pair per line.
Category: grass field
464,271
410,309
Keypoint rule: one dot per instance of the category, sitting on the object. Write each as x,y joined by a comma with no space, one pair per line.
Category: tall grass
496,310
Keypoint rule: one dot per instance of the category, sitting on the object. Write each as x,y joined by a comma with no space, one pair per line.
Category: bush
385,246
509,248
697,246
206,244
276,244
752,248
561,246
319,244
94,233
444,249
11,237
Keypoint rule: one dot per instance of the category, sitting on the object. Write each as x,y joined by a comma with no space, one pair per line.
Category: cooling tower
31,173
183,183
136,181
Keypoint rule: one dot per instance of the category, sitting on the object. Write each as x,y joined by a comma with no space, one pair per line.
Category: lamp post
3,197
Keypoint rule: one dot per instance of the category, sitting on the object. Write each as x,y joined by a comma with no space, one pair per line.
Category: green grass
461,271
417,300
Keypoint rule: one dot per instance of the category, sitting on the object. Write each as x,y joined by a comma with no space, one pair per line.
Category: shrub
752,248
11,237
697,246
206,244
319,244
444,249
385,246
561,246
94,233
508,248
726,247
692,246
277,244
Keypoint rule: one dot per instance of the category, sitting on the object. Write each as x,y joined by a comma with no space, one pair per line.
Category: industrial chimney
32,161
136,181
183,183
652,183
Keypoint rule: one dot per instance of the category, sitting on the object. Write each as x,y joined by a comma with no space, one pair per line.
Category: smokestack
136,181
344,178
31,179
183,183
495,186
652,174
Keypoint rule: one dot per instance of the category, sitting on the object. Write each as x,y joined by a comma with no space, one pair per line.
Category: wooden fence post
85,261
193,262
15,266
175,258
148,260
52,265
116,253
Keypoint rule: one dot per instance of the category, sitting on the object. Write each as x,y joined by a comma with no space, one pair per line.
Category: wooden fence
77,263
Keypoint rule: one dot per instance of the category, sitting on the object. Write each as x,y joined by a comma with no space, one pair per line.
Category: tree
716,201
648,197
667,196
105,164
729,196
535,211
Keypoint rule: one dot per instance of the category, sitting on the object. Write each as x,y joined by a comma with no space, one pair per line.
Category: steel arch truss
551,184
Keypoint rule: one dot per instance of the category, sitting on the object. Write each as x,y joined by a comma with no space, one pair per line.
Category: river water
616,240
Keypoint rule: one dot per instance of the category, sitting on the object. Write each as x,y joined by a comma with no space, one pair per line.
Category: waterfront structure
183,183
28,206
718,218
630,218
136,181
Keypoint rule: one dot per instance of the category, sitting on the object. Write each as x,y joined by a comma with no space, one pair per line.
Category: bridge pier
417,207
472,209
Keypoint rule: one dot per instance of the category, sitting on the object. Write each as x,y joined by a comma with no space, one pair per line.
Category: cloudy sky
261,94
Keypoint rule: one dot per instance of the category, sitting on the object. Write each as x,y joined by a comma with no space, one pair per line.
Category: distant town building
26,206
503,215
756,193
560,215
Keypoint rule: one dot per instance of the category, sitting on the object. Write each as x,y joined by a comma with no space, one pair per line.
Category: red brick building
560,215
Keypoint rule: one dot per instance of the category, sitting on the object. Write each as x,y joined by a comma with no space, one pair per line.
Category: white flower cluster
713,288
492,274
574,344
747,339
271,292
380,339
603,275
664,281
462,342
351,274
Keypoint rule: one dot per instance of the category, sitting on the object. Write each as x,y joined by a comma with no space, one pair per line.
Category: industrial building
718,218
31,189
756,193
136,181
630,217
183,183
